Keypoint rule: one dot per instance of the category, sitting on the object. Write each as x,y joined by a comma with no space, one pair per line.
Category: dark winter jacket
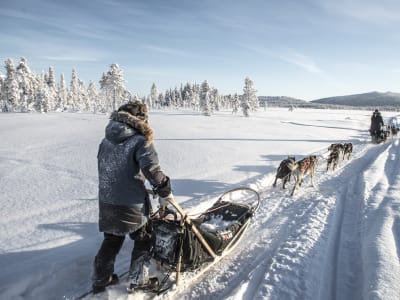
376,122
126,158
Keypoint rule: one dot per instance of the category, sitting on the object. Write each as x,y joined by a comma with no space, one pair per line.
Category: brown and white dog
301,168
283,172
347,150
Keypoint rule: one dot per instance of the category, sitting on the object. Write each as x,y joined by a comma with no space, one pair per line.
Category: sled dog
333,159
283,172
347,150
337,146
301,168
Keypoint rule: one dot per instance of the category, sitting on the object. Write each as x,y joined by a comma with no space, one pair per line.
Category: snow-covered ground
339,240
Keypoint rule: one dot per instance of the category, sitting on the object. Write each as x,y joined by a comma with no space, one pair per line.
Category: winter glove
164,200
163,189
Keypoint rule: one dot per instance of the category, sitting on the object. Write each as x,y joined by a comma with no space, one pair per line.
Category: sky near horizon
307,49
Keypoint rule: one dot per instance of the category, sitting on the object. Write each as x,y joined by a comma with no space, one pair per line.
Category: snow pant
110,247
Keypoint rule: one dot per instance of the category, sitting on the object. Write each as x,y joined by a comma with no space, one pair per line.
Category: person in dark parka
376,123
126,158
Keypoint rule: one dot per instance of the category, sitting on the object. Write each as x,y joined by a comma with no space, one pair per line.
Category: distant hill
283,101
372,99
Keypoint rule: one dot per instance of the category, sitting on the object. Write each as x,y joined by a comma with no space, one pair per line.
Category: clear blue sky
306,49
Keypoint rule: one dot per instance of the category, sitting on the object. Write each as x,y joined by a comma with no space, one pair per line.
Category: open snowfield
339,240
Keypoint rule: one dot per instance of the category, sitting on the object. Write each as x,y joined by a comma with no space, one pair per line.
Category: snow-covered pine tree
73,93
168,98
83,100
196,97
93,98
11,88
62,95
112,86
160,100
42,95
235,103
187,95
26,81
177,98
153,96
1,91
249,97
205,105
216,99
52,92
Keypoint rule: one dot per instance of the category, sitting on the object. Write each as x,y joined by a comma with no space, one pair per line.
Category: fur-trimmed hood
139,124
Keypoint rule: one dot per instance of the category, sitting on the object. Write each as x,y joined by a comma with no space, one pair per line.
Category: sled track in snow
277,262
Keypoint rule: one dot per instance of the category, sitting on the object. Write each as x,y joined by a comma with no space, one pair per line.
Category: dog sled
186,247
184,244
379,136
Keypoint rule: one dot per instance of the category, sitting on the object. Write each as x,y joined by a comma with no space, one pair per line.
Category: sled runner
191,245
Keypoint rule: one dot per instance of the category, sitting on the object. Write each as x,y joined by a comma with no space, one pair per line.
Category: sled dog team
308,165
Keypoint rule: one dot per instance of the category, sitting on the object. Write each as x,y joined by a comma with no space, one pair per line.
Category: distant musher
376,124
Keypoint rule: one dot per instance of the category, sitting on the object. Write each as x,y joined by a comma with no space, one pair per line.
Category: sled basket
186,244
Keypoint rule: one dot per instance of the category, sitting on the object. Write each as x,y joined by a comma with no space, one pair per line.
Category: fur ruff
140,124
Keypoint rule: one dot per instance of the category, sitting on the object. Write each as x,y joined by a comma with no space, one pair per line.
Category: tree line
22,90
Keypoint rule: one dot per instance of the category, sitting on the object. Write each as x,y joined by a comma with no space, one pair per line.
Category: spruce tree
11,88
26,81
112,86
153,96
62,95
249,97
205,98
93,98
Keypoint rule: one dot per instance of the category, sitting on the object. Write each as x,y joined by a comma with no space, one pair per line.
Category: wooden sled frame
186,220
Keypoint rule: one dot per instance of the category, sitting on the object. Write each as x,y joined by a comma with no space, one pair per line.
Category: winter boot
99,286
139,275
152,284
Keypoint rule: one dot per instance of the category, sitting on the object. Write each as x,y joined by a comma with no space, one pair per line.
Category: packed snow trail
323,232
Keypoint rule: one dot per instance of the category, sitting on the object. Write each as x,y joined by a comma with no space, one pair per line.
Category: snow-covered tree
153,96
52,92
73,93
196,97
62,95
112,85
160,101
11,88
93,97
216,99
41,95
249,98
83,100
235,103
205,104
26,81
1,91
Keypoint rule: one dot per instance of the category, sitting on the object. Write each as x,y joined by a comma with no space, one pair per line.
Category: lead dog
301,168
347,150
283,172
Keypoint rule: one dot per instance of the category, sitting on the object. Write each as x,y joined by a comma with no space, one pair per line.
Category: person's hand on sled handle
164,193
164,201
